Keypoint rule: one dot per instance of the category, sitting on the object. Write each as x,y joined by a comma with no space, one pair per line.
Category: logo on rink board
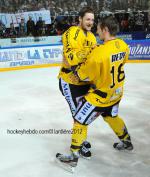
45,53
29,55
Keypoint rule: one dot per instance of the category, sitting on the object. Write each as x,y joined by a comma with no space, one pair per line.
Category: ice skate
124,145
84,151
68,162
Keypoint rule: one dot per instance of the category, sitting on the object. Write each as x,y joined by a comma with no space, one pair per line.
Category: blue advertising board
45,54
139,49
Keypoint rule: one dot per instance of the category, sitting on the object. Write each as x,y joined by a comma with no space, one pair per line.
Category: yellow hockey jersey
77,44
104,68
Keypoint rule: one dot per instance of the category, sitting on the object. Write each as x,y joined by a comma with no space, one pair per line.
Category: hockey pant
87,113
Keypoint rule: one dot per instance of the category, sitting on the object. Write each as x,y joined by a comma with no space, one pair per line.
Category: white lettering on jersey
118,56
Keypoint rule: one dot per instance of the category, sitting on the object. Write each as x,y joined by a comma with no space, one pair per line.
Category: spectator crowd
65,14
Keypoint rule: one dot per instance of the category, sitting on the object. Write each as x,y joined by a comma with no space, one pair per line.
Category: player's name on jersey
118,56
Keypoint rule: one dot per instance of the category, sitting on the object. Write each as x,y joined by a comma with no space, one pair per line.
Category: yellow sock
118,126
78,136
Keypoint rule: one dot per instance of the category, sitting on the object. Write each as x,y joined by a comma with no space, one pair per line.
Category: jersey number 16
120,74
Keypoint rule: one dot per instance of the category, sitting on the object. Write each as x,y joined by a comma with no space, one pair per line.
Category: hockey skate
68,162
124,145
84,151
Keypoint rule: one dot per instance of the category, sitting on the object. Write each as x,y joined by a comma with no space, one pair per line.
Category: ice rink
30,100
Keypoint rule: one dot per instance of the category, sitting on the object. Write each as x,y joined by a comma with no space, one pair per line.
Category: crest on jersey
81,55
117,44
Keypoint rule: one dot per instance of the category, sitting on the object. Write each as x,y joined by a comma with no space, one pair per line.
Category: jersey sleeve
87,71
127,55
73,47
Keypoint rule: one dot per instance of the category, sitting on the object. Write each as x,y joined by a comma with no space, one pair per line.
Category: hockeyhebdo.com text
43,132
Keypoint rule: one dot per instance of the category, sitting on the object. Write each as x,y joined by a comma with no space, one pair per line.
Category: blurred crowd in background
132,15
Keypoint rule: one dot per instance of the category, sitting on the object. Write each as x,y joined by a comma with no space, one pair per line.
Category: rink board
48,55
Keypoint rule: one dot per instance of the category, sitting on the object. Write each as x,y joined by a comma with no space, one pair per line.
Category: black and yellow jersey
104,68
77,44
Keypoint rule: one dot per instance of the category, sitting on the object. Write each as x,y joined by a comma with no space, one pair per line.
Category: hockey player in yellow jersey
78,41
108,74
104,69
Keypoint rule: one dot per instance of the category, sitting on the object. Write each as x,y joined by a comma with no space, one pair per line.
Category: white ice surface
30,99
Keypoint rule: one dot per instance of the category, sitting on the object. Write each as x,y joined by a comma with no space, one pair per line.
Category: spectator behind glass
44,29
139,21
51,30
22,28
61,24
11,32
39,27
2,29
30,27
124,25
